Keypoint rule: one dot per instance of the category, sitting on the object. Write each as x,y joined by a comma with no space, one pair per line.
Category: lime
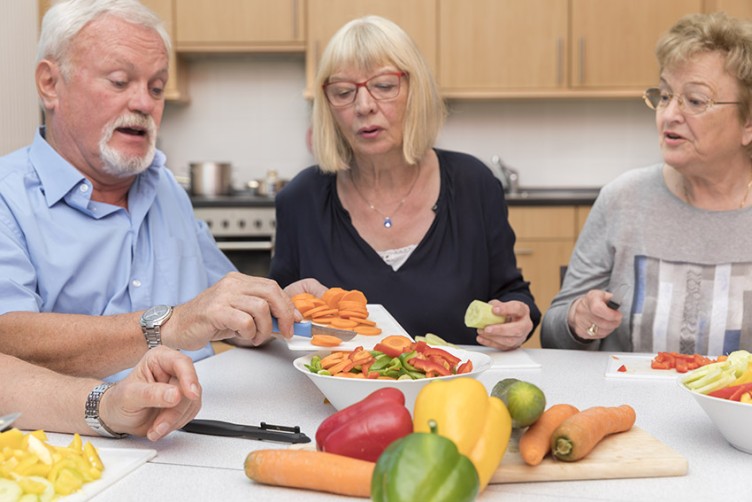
524,400
479,315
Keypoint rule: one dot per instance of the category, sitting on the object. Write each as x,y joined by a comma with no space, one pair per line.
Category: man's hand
161,394
238,307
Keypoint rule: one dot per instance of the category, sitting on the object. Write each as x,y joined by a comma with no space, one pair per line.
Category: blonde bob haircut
365,44
716,32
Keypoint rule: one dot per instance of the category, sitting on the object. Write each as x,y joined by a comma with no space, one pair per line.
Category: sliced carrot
338,322
321,310
302,296
352,305
367,330
363,322
397,341
332,296
325,341
535,443
332,359
354,295
344,365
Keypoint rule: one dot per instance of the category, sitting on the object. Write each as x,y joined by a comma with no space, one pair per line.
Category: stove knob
225,224
241,223
258,224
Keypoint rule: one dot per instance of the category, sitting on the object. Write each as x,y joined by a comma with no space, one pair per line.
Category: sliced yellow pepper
746,398
480,425
11,438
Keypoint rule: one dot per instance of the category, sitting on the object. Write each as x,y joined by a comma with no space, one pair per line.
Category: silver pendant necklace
387,218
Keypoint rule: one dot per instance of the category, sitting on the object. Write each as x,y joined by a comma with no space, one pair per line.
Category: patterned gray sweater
683,275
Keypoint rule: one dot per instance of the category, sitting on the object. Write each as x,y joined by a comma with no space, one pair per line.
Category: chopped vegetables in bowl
344,391
724,391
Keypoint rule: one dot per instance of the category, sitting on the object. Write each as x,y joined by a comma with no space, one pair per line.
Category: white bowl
732,418
343,392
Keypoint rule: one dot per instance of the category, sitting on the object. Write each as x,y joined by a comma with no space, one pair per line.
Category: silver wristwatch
151,322
91,414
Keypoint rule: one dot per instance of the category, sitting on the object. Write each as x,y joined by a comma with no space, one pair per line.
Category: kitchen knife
308,329
7,420
267,432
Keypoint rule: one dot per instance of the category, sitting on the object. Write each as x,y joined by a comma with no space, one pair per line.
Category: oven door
251,255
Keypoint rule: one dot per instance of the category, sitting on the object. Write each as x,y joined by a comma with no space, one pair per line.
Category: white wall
250,110
19,111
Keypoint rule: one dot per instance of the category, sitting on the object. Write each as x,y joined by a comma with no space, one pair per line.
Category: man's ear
47,77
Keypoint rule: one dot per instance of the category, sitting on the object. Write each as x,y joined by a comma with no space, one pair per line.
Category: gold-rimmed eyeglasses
692,103
381,87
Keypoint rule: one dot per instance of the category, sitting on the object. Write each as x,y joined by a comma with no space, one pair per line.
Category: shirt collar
59,177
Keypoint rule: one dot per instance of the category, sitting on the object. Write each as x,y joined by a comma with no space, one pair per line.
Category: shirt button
136,283
84,187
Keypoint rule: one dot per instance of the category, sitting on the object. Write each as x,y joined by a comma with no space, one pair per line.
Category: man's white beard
118,164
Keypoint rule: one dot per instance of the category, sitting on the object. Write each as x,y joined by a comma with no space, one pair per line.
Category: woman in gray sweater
664,262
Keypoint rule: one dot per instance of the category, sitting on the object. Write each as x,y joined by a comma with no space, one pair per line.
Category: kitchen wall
250,110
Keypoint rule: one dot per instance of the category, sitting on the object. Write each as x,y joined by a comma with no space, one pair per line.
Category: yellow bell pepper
745,377
479,424
746,398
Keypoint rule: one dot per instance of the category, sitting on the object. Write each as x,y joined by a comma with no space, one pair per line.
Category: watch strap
91,413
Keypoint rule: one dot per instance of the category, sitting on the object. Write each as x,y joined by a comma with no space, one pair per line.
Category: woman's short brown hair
365,44
716,32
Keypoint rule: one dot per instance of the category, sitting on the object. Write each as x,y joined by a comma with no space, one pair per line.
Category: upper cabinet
325,17
613,43
240,25
489,46
555,48
177,83
738,8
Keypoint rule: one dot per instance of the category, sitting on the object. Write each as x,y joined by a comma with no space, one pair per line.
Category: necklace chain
387,218
741,204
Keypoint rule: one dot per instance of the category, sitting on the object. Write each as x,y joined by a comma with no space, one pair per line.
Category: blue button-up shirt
62,252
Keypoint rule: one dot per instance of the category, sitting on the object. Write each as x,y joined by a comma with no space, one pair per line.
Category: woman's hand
590,318
161,394
512,333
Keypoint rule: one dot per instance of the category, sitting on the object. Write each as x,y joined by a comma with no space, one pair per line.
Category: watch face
156,313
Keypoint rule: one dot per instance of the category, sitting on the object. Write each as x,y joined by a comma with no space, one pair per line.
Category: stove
243,226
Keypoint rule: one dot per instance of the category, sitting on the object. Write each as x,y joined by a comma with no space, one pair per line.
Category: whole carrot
580,433
312,470
536,441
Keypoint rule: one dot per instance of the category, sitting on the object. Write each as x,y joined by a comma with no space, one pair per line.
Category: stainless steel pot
210,179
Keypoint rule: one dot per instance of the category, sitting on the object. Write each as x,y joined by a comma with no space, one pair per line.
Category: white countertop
251,386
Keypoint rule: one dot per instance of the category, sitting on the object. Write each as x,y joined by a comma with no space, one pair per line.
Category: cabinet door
613,42
177,85
545,239
738,8
239,25
325,17
502,45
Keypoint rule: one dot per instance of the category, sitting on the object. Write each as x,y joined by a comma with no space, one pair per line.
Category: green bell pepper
424,466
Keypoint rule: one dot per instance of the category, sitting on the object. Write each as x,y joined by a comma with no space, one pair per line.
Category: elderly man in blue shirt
101,257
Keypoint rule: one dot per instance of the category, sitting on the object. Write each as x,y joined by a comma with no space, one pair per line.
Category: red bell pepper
429,352
465,367
733,393
428,366
363,430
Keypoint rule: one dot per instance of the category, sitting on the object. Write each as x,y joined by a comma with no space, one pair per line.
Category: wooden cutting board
631,454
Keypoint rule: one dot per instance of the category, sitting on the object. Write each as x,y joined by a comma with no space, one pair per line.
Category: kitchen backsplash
250,110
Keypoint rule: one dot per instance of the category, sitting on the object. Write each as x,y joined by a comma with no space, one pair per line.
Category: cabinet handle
523,251
559,62
582,60
295,34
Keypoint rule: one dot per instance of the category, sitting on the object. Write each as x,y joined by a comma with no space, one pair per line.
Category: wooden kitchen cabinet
177,85
240,25
613,42
545,239
496,45
417,17
738,8
552,48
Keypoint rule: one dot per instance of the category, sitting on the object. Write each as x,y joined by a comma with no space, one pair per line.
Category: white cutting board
376,313
632,454
118,463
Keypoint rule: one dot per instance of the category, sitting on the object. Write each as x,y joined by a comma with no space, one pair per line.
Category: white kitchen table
260,385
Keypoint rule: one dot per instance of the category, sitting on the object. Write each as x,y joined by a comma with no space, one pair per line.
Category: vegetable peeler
266,432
